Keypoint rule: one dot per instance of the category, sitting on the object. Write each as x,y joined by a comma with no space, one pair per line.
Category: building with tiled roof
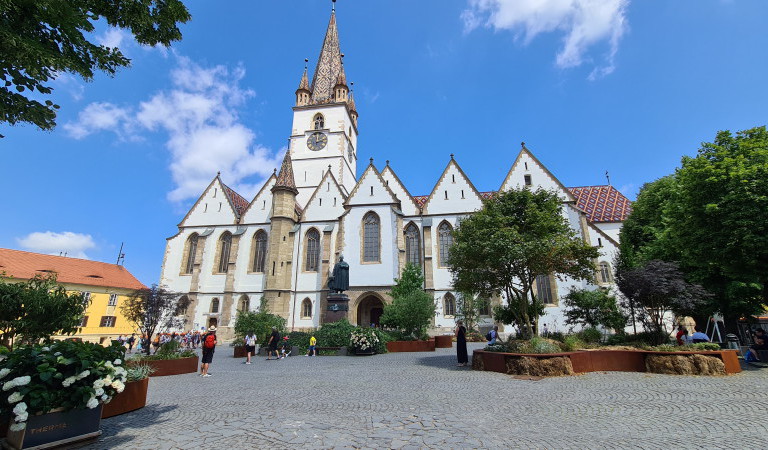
282,246
105,285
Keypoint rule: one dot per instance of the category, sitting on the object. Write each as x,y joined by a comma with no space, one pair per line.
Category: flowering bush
65,375
364,339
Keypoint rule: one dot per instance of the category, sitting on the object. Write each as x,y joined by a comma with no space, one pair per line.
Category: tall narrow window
245,303
225,247
259,250
319,122
215,306
605,272
112,300
412,246
371,238
306,309
528,180
191,253
313,250
544,289
445,240
449,305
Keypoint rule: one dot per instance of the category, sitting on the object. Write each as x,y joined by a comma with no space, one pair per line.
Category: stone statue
339,279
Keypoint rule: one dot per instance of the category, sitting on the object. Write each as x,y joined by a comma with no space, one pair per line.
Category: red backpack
210,341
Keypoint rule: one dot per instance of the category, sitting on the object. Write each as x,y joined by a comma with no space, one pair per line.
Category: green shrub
139,371
299,339
556,336
590,335
384,337
572,343
496,348
170,350
335,334
260,323
701,346
535,345
705,346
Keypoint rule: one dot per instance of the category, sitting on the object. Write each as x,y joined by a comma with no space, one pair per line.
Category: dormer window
319,122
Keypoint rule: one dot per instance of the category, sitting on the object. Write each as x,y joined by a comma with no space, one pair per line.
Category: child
312,344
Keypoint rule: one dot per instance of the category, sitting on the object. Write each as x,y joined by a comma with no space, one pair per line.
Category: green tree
37,309
591,308
412,310
155,309
516,236
259,322
468,309
44,38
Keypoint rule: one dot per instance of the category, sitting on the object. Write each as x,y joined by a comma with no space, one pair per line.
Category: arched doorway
213,322
369,311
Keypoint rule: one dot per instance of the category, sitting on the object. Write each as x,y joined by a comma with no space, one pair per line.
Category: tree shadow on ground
138,419
447,362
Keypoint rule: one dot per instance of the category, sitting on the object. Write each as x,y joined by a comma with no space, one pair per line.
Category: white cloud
114,37
73,244
584,22
199,116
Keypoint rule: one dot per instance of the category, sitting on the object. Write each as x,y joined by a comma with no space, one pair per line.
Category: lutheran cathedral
282,244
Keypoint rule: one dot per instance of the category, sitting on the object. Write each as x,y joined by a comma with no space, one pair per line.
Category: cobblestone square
422,400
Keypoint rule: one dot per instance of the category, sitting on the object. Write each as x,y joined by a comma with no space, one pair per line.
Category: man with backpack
209,346
493,335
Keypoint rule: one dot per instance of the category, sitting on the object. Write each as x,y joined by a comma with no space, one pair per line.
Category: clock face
317,141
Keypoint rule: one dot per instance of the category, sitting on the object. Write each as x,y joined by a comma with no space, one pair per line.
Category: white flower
119,386
20,408
99,392
104,398
68,381
22,417
57,354
17,426
46,349
92,403
98,384
22,381
83,374
4,373
3,358
108,380
118,362
15,397
109,365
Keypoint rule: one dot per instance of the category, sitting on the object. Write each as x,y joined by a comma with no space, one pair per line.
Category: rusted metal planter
444,341
411,346
165,367
133,397
56,428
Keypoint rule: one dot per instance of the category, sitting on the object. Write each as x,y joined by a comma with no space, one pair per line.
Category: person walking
131,340
209,346
461,344
274,339
312,343
250,346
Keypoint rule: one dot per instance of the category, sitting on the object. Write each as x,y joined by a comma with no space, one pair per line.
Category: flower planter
368,352
239,352
411,346
604,360
444,341
165,367
56,428
132,398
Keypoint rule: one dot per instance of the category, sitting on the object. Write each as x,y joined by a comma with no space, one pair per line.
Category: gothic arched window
605,272
412,246
445,240
245,303
371,238
215,306
313,250
544,289
306,309
224,249
449,305
191,253
259,250
318,122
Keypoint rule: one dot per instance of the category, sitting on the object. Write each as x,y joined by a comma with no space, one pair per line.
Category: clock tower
324,132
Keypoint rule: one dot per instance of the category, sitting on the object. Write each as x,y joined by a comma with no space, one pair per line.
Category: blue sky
627,86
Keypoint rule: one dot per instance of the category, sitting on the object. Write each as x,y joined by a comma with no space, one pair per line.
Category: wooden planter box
411,346
602,360
132,398
165,367
56,428
444,341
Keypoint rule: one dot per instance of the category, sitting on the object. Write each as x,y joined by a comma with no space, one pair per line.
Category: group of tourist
189,340
682,337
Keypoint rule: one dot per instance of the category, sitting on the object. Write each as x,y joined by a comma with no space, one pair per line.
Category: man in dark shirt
274,339
759,345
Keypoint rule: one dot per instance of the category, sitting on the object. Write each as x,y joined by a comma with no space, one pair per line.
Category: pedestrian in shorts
250,346
209,346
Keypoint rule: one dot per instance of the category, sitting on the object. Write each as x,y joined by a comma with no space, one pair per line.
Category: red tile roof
240,203
602,203
421,200
25,265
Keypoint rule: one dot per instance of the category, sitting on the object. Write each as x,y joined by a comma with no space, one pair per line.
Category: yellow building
105,285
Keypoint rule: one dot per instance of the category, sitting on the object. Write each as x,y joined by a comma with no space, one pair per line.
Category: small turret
303,93
351,106
340,90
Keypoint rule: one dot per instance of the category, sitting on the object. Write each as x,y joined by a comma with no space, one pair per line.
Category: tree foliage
656,288
44,38
155,309
590,308
259,322
469,308
412,310
37,309
518,235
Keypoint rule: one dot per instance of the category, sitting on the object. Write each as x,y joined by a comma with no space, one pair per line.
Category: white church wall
260,209
407,205
612,229
539,178
367,273
212,208
453,194
245,279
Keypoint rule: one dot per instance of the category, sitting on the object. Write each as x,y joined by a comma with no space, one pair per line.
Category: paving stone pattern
418,400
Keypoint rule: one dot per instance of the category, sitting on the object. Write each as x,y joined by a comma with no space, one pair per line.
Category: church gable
407,203
327,202
214,207
371,189
527,170
260,208
453,193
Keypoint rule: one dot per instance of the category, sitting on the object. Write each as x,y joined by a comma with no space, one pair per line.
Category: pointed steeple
285,180
304,83
328,65
303,93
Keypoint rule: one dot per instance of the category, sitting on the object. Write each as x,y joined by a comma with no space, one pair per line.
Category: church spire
285,179
303,92
328,65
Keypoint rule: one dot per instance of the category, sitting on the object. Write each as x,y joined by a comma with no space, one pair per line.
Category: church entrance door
369,311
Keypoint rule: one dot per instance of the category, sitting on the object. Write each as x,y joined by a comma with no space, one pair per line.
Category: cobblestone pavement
410,400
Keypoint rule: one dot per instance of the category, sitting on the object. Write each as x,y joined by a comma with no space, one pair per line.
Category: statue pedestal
338,307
